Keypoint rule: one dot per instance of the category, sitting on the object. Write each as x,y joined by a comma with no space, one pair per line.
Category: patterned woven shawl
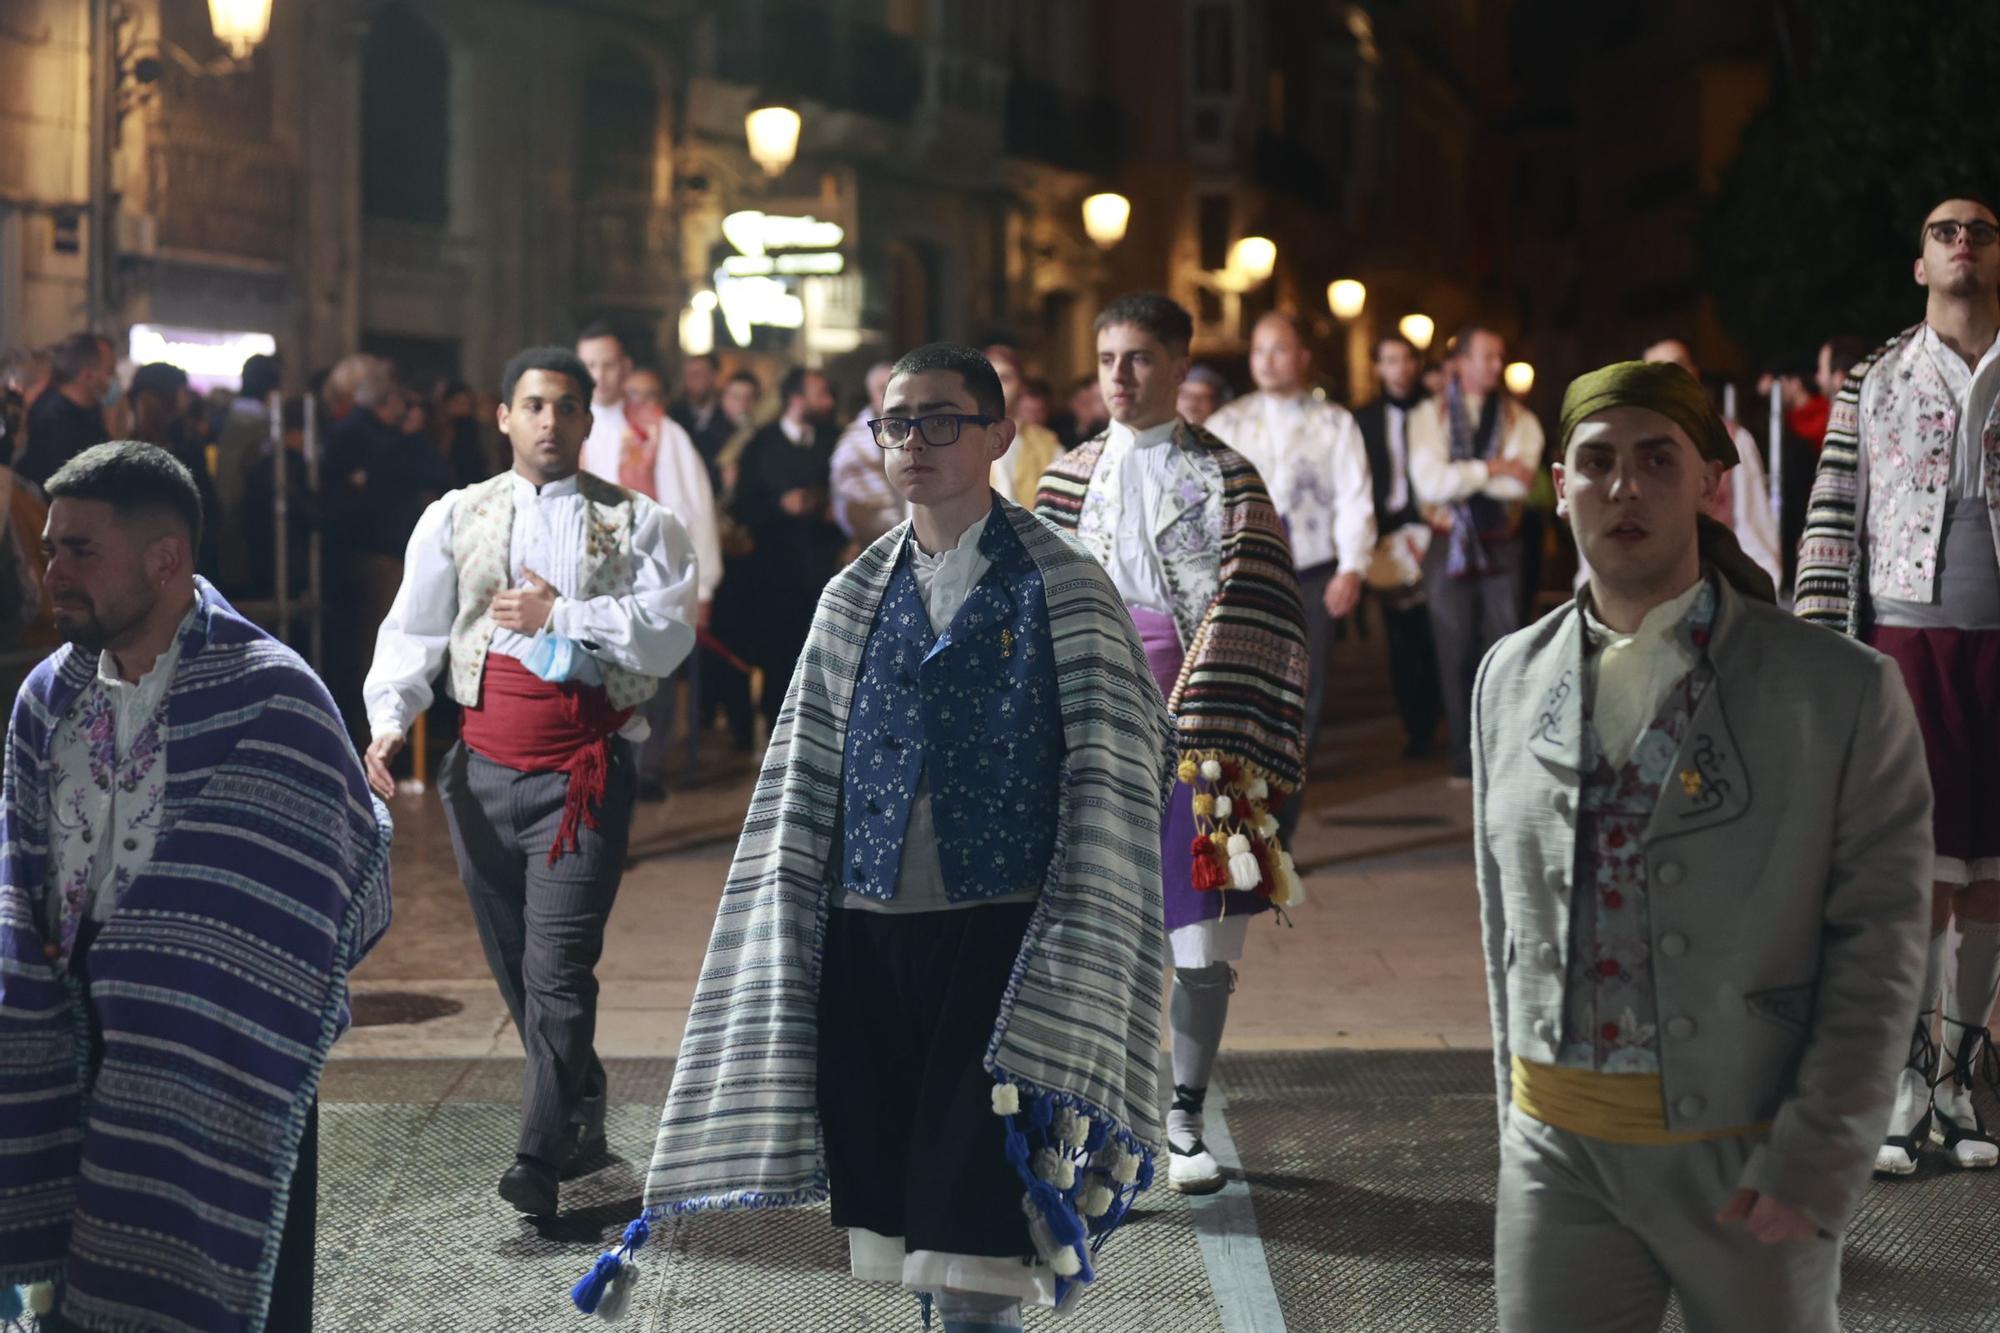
1240,699
1077,1041
157,1193
1831,586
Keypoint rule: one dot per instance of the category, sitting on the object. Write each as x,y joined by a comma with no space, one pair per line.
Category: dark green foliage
1814,229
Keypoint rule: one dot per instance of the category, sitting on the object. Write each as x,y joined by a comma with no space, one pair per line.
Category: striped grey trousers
542,925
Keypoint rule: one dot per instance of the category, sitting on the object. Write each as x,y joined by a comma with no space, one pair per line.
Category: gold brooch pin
1006,643
1691,782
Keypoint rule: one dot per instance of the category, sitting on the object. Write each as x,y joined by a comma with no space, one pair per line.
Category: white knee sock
1968,1007
1913,1085
1197,1014
978,1312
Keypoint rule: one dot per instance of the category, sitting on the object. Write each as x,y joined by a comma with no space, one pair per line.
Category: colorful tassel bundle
1237,847
1081,1179
606,1288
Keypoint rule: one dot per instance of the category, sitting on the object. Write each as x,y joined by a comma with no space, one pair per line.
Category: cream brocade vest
482,535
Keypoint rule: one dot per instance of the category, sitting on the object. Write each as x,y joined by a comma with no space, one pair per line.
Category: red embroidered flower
1700,638
1609,1032
1608,968
1614,900
1617,838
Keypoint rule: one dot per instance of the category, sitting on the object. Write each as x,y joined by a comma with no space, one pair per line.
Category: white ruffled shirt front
1145,459
1634,671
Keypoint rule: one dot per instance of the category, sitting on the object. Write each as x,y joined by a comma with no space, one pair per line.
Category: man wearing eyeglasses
933,991
1902,550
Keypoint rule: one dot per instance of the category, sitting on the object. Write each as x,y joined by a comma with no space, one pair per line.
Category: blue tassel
11,1305
589,1291
924,1307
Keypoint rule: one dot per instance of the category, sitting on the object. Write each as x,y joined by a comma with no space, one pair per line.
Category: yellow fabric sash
1616,1108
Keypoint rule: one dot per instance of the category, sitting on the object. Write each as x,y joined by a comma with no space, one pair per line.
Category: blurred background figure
166,412
1018,472
1743,501
865,505
1085,415
699,410
243,437
1203,392
67,416
459,434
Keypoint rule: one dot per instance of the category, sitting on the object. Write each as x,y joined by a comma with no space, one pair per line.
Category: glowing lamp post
1105,217
1520,377
1346,298
1419,329
773,132
239,24
1252,260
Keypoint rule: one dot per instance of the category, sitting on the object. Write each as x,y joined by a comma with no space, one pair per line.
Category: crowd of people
1040,699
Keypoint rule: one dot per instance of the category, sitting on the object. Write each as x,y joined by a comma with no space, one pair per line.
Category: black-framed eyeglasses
1946,232
938,429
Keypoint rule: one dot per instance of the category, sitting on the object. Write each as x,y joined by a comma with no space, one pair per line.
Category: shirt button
131,844
1553,877
1559,801
1545,1031
1547,955
1680,1027
1691,1105
1673,944
1670,873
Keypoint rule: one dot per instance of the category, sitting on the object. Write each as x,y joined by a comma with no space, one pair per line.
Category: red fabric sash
533,726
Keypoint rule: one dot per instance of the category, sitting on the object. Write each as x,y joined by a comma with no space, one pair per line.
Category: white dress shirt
649,630
1146,466
1633,673
1439,479
1313,462
1396,425
680,484
1750,517
606,439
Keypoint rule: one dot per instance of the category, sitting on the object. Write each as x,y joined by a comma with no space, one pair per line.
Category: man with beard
783,500
1183,525
1703,853
555,602
1902,550
191,867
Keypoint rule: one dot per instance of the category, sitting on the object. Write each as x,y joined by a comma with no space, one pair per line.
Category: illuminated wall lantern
1252,259
773,132
1520,377
1419,329
239,24
1105,217
1346,298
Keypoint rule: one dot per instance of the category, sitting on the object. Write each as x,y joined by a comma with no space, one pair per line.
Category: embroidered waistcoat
1909,437
1610,1007
975,713
482,534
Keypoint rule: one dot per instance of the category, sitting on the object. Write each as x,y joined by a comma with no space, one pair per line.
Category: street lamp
239,24
1520,377
773,131
1419,329
1105,217
1346,298
1252,259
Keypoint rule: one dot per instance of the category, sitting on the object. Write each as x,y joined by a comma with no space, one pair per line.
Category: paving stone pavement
1370,1178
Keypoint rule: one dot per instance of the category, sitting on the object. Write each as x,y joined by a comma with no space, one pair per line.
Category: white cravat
1634,671
1148,457
946,579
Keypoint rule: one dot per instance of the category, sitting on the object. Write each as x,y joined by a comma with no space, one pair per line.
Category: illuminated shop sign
757,285
210,357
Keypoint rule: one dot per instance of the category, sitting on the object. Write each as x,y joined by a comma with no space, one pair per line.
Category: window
405,119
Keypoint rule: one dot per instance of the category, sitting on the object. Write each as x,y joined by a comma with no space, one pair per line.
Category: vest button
1673,944
1670,873
1547,955
1680,1027
1691,1106
1545,1031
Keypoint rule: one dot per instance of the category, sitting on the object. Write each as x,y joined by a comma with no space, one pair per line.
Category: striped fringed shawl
1078,1034
157,1194
1239,704
1831,584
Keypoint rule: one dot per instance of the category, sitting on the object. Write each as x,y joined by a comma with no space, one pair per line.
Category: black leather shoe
530,1185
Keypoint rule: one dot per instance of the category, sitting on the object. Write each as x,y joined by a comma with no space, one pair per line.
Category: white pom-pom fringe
1258,789
1244,872
1223,805
1079,1132
1097,1201
1006,1099
1211,769
1127,1170
1066,1263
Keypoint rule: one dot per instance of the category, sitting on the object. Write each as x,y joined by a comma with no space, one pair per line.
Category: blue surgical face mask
554,658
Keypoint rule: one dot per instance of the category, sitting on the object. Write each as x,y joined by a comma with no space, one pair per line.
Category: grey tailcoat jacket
1789,885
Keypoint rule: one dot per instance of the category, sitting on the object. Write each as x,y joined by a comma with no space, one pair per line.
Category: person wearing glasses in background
1902,550
933,990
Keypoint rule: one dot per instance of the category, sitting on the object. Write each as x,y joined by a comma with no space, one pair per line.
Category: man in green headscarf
1703,849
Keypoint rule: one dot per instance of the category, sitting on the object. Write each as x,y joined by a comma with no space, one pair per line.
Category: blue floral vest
978,707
